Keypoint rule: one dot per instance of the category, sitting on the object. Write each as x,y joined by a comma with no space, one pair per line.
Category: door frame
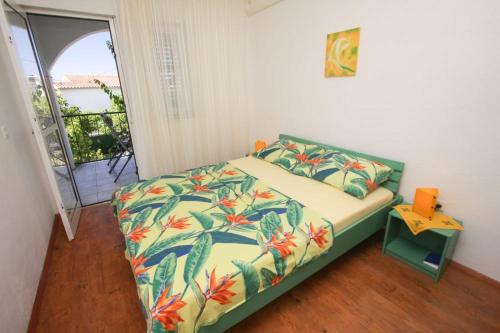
30,111
118,59
119,64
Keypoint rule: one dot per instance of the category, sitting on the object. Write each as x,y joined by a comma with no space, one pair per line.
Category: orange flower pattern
165,310
123,214
200,188
301,157
354,175
230,209
290,146
263,195
234,219
180,223
316,161
218,289
283,244
138,233
198,178
138,265
228,203
348,165
277,279
156,190
318,235
126,196
371,184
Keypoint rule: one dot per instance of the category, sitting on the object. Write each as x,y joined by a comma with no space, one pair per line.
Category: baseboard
35,311
492,282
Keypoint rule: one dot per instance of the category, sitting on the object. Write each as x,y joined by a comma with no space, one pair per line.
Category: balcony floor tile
95,183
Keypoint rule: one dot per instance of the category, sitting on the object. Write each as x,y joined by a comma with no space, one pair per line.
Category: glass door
48,134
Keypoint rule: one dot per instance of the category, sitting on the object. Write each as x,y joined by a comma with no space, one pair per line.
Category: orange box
425,201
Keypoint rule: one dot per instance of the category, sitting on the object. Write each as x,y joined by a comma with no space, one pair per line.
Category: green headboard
392,184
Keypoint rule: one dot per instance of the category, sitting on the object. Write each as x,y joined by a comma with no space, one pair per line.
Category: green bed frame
344,241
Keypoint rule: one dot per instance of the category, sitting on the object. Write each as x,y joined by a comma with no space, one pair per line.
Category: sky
89,55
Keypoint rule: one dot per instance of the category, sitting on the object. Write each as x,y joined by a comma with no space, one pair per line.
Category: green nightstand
401,244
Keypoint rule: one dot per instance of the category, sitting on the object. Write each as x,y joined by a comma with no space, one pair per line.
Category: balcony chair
123,145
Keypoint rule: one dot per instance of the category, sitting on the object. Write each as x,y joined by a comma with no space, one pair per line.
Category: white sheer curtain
184,64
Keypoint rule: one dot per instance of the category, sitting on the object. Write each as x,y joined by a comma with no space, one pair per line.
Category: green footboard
344,241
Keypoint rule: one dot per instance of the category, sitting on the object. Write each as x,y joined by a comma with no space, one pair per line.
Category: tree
89,137
78,126
80,129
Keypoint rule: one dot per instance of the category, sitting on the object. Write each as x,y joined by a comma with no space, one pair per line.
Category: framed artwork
342,53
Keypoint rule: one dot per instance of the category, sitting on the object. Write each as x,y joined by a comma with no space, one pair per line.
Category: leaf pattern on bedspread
203,241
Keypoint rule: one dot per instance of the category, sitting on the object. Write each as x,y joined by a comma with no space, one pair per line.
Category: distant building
82,91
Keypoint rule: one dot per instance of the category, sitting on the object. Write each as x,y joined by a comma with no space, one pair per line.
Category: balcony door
44,122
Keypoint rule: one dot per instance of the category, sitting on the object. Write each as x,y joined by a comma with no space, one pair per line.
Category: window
174,77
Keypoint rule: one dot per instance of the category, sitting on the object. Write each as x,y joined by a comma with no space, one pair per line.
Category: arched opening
76,68
67,45
79,56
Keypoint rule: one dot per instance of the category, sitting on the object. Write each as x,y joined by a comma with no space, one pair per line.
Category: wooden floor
90,288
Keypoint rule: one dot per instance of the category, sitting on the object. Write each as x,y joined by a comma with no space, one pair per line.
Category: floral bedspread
203,241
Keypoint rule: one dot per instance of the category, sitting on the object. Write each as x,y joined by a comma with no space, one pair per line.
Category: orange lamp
425,201
259,145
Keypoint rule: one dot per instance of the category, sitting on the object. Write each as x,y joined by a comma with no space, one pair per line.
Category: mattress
338,207
206,240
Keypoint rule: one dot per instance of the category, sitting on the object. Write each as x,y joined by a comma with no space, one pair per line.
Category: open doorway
84,84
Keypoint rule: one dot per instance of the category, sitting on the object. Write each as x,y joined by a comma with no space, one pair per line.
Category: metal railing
90,138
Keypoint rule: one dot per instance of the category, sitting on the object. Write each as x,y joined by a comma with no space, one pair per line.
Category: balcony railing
90,138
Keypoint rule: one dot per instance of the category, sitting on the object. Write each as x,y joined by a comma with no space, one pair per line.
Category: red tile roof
86,81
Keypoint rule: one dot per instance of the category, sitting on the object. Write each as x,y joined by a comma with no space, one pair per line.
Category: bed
212,245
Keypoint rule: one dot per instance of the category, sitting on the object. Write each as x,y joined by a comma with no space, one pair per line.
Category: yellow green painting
342,53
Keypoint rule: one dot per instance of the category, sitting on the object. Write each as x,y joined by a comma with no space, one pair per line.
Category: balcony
92,145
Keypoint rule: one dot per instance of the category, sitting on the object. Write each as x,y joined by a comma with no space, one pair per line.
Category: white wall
426,93
26,204
93,7
255,6
26,207
89,99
